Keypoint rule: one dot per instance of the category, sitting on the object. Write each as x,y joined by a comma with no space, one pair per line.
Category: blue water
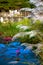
15,52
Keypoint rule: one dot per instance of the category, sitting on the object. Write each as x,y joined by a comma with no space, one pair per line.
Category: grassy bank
12,28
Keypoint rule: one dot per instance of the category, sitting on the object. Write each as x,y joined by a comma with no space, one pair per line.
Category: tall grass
10,29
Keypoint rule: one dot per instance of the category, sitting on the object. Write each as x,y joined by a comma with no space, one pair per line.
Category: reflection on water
15,53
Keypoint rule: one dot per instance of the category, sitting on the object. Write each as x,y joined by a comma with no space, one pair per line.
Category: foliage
34,48
15,4
10,29
37,27
27,39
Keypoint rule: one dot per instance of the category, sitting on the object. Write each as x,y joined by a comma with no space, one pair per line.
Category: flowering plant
7,39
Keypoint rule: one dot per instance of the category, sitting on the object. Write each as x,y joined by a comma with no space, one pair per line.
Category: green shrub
34,48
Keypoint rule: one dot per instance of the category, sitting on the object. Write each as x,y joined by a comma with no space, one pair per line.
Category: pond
15,54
